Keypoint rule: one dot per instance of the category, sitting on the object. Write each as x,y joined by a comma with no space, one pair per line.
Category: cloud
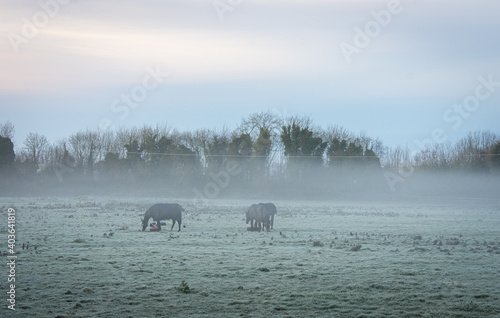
67,58
80,50
97,44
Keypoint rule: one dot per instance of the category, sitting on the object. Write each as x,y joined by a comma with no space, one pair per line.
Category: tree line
264,153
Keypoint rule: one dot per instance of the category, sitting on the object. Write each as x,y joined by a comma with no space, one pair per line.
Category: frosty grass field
323,259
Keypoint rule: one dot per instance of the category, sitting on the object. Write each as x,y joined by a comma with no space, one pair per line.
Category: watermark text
11,258
30,27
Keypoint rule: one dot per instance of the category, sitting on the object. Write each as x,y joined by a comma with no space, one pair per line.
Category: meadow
87,257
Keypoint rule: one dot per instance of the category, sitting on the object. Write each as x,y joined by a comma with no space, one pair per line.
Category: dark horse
252,214
163,211
262,214
269,210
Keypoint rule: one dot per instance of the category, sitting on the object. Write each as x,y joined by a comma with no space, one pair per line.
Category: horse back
271,208
252,211
167,211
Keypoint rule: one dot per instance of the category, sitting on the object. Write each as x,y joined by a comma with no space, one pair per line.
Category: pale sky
392,69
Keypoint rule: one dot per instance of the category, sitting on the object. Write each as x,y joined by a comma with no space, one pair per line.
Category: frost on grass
321,259
356,248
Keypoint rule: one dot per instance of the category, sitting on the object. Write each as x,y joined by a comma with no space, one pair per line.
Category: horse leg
173,223
179,222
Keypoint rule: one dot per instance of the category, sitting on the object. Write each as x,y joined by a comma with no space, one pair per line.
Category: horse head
251,213
144,224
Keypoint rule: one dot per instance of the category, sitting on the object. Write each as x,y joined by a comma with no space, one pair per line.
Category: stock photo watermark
11,258
471,103
453,116
138,94
372,29
30,27
222,7
458,112
220,180
121,106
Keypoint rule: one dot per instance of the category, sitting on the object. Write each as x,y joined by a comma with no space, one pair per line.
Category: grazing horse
163,211
269,209
262,217
261,213
251,215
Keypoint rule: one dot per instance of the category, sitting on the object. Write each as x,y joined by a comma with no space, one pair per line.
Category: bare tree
217,148
79,147
437,155
35,146
90,147
150,140
337,132
198,141
254,123
264,127
471,149
126,137
7,130
55,153
108,143
398,157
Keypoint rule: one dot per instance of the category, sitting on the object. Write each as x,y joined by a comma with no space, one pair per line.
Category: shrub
183,287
